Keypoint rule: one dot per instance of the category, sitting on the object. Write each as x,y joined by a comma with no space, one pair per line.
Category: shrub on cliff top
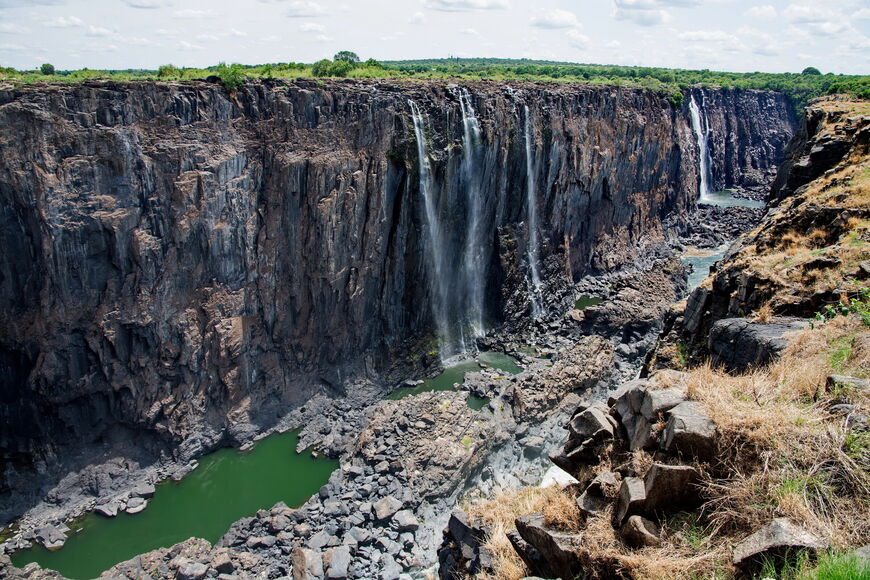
231,76
47,69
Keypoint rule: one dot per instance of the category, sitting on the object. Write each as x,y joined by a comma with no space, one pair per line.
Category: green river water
227,485
456,374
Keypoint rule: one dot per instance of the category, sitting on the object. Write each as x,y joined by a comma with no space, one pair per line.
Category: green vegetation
859,305
838,567
231,76
47,69
670,83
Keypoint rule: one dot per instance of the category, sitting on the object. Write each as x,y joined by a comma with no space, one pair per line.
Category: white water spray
702,132
435,246
473,266
532,218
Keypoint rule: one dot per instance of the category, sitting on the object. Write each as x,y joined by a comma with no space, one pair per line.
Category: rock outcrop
182,264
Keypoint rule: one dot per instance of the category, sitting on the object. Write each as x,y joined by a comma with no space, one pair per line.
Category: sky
732,35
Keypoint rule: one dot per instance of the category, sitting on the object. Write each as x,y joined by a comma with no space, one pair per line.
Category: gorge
188,268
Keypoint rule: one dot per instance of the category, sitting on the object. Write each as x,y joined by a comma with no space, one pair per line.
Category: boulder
386,507
631,499
191,571
656,401
740,344
462,550
52,537
307,564
836,383
222,563
108,509
779,540
690,431
592,423
136,505
671,488
594,500
337,561
405,521
557,548
639,532
145,490
528,554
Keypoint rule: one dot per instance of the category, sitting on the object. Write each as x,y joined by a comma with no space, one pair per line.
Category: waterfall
702,132
436,251
473,262
532,218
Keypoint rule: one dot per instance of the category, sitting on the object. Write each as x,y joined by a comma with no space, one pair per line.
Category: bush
372,63
340,68
168,71
231,76
47,69
811,70
346,56
321,68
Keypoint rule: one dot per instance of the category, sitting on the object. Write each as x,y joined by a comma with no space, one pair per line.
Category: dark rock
690,431
557,549
528,554
223,563
657,401
594,499
671,488
740,344
639,532
778,540
631,499
842,383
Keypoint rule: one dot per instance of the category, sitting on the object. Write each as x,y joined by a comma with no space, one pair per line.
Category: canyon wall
179,260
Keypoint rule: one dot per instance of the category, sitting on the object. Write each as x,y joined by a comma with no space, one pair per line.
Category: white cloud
10,28
305,9
206,37
193,14
763,12
577,39
138,41
188,46
166,32
237,33
98,31
145,4
311,27
417,18
466,5
12,47
863,14
64,22
470,32
642,12
323,38
556,19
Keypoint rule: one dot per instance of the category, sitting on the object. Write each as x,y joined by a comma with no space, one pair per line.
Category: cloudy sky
736,35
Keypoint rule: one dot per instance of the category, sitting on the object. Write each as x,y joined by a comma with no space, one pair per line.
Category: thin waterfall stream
702,131
532,217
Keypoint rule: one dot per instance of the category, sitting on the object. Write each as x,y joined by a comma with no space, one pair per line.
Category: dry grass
500,513
782,453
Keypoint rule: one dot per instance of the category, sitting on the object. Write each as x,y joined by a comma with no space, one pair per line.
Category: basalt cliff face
181,263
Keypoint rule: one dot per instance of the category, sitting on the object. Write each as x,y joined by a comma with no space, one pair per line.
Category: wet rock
631,499
671,487
639,532
780,539
690,431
